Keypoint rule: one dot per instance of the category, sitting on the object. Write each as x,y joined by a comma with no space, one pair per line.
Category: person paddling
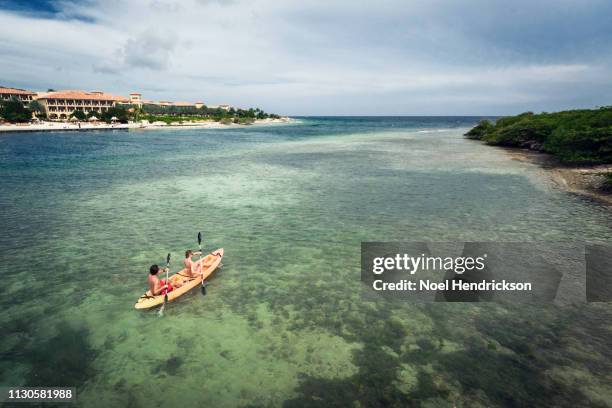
159,286
192,268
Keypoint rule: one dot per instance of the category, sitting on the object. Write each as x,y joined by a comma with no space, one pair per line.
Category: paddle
167,282
161,311
201,266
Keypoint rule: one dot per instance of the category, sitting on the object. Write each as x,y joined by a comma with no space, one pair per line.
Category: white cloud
149,50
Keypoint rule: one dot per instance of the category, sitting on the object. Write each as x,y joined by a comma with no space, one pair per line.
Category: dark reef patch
63,360
170,366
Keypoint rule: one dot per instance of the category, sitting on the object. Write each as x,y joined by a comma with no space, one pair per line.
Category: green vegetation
13,111
480,130
169,119
576,136
38,109
177,114
185,113
120,114
244,121
80,115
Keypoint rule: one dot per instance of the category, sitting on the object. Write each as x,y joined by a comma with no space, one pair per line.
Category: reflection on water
283,323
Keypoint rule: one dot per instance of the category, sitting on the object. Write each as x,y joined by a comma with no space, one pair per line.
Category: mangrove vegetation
574,136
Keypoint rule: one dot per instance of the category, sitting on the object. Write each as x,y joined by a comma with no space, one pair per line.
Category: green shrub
79,114
520,132
244,121
13,111
576,136
589,145
116,112
480,130
511,120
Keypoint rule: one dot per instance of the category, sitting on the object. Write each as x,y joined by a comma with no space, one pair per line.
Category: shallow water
84,214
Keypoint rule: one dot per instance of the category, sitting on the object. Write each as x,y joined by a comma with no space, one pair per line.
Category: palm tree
37,108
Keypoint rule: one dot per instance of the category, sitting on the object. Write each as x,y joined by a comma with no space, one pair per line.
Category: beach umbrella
93,119
114,119
74,119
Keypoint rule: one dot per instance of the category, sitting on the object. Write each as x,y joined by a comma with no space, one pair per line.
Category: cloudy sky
343,57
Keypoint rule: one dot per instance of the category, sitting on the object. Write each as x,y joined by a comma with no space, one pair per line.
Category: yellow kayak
210,264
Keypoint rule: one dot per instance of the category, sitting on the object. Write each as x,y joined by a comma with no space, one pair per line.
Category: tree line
204,111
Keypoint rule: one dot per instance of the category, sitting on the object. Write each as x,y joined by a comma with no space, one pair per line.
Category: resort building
21,95
184,104
62,104
136,99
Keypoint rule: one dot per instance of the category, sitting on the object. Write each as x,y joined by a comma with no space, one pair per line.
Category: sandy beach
63,126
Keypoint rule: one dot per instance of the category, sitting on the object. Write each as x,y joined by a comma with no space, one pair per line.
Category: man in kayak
159,286
193,268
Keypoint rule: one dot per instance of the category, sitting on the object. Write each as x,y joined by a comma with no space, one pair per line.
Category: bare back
193,268
154,285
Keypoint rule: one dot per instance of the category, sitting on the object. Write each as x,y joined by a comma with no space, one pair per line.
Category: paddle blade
203,290
168,258
199,238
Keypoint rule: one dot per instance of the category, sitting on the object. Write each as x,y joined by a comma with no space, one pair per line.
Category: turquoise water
84,214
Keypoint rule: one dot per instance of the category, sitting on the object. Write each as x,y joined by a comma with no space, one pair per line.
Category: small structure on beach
114,119
93,119
74,119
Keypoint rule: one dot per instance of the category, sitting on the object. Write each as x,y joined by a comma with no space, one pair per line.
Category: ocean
284,322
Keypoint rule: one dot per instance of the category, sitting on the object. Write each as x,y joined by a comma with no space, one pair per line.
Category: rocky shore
588,180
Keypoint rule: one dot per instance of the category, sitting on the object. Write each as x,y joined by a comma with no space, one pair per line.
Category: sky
342,57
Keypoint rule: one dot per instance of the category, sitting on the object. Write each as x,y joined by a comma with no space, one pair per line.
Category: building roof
75,94
15,91
183,104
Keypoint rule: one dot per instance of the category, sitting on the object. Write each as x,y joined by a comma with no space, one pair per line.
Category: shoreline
64,126
585,180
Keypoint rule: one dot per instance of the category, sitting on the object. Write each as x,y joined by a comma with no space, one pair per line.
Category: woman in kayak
193,268
159,286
